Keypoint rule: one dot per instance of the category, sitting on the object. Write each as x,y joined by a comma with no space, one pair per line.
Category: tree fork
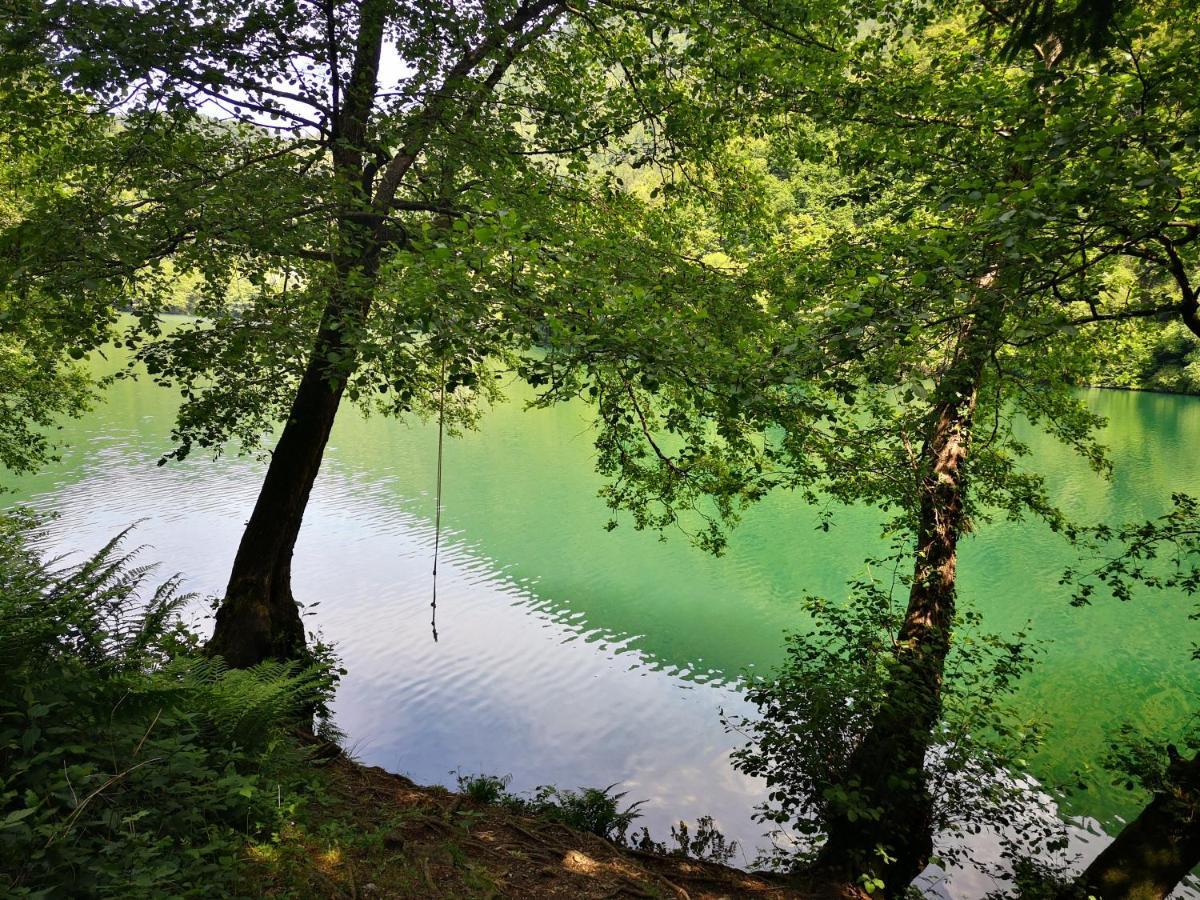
259,618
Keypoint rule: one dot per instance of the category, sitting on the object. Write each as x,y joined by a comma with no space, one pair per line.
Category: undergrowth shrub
818,707
489,790
595,810
707,844
130,764
598,811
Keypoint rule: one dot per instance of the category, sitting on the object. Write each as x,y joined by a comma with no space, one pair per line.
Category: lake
574,656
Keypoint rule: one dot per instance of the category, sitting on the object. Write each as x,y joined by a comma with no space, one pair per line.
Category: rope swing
437,516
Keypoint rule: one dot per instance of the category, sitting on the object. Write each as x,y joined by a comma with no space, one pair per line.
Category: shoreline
373,833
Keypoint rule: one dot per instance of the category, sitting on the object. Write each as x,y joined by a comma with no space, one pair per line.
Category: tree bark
887,770
259,618
1157,850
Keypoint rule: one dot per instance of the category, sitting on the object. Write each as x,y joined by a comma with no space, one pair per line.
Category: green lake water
571,655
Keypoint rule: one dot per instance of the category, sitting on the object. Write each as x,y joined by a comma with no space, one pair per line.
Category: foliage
41,336
1035,880
37,389
598,811
876,198
480,173
820,704
1124,556
996,201
770,310
132,766
707,844
1162,553
595,810
1149,356
488,790
1152,353
1136,759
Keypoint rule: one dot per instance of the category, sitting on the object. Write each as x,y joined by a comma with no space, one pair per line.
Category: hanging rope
437,516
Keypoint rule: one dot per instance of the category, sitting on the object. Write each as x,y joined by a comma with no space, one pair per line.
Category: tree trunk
894,840
259,618
1158,849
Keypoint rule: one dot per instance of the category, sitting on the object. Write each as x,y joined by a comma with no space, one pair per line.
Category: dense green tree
997,198
377,200
908,249
39,381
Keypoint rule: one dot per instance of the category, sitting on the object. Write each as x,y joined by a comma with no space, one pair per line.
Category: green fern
131,765
94,610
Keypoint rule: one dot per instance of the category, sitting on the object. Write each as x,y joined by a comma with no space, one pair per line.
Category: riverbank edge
366,832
